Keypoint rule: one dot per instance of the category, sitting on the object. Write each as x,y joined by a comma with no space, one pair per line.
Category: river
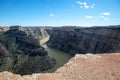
61,57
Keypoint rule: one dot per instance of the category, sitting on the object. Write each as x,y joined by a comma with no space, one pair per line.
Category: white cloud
92,6
106,13
102,16
105,16
51,14
89,17
84,5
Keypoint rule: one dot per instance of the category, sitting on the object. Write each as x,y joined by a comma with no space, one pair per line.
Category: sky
59,12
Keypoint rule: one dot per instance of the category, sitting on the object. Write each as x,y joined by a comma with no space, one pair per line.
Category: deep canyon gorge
87,51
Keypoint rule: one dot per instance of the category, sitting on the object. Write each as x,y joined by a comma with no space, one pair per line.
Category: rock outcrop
3,28
25,54
80,67
86,40
37,32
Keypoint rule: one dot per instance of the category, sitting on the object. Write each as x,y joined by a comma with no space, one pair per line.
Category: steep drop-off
86,40
21,53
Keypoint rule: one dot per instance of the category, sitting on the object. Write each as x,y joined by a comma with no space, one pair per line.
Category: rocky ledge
80,67
21,53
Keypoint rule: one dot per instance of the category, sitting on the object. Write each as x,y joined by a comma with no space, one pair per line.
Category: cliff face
37,32
22,52
80,67
86,40
4,28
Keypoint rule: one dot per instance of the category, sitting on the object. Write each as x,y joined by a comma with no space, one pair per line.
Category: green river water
61,57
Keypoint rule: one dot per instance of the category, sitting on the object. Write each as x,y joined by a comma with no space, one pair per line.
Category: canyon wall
37,32
4,28
21,53
86,40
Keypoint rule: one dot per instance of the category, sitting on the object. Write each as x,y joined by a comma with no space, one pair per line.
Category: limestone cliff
22,52
86,40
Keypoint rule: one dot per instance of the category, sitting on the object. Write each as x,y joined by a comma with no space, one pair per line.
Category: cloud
89,17
102,16
84,5
92,6
51,14
106,13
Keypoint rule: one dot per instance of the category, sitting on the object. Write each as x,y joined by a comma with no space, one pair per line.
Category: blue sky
59,12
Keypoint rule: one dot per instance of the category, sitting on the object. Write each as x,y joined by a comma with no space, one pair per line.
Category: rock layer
37,32
86,40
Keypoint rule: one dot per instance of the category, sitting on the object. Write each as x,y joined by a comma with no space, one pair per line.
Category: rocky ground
80,67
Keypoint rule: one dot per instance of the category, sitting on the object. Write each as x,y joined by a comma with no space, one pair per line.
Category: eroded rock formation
86,40
25,54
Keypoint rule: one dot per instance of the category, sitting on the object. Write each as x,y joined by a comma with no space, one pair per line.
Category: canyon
95,53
